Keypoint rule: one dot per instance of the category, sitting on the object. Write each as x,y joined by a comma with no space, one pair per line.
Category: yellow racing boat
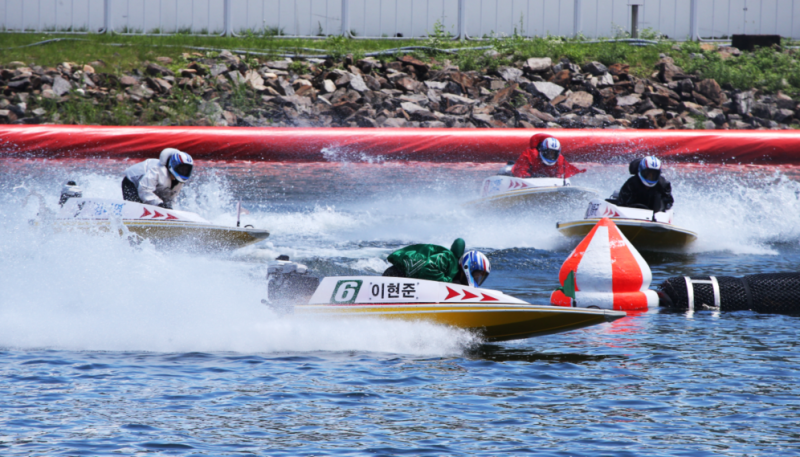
161,226
492,314
645,229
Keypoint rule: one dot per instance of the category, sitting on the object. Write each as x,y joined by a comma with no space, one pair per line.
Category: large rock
629,100
743,102
580,99
417,112
764,110
61,86
510,73
157,70
711,90
668,71
539,64
458,100
595,68
546,89
357,83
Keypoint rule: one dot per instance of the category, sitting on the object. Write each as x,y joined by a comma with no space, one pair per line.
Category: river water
109,349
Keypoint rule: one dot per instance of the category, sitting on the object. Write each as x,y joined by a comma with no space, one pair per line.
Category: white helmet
549,150
649,171
476,267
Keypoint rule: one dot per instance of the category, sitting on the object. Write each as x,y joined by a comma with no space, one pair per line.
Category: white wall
376,18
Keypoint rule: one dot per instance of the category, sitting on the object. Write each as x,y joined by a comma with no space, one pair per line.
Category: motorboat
491,314
504,191
161,226
644,228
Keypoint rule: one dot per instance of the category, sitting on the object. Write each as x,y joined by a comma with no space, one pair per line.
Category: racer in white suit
158,181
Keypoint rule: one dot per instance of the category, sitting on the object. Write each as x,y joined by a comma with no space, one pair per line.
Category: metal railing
395,19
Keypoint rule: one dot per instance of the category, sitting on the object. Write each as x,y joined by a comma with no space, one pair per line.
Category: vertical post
346,18
577,21
634,21
107,16
462,20
228,19
693,25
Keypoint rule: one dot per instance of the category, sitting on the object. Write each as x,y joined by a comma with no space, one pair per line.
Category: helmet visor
651,175
183,171
479,276
550,155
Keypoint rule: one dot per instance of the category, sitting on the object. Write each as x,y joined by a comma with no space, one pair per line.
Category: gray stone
279,64
395,122
510,73
433,124
438,85
547,89
218,69
539,64
357,83
61,86
483,118
784,115
417,112
580,99
328,86
629,100
595,68
605,80
458,100
764,110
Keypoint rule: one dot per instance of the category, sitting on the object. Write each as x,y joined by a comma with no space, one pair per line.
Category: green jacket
429,261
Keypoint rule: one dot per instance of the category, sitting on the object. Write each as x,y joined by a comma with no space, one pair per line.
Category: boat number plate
346,291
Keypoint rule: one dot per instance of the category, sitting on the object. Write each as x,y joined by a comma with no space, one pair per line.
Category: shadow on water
497,353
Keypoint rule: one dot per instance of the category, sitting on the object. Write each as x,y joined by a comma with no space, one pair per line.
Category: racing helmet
476,267
549,150
649,171
181,164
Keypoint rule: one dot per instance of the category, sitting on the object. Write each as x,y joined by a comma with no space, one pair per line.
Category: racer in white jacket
158,181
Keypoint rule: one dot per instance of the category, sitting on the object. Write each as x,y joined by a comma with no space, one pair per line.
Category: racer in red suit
543,160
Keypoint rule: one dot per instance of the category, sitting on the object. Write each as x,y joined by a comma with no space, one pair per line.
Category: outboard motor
288,283
70,190
506,170
777,293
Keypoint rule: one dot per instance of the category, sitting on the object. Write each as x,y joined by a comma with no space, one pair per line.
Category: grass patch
766,69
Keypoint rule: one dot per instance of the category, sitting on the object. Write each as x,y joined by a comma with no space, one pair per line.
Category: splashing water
94,291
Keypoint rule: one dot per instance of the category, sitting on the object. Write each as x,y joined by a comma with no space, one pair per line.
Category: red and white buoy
605,271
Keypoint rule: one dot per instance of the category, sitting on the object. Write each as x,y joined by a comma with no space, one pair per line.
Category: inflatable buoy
605,271
777,293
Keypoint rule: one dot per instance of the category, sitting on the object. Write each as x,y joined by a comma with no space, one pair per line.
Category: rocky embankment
228,89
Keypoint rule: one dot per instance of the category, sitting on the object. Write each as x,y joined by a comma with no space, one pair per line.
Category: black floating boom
777,293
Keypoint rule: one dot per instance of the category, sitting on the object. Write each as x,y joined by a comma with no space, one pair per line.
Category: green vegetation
765,69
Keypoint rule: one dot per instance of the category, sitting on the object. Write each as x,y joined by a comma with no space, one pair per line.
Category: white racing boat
492,314
504,191
161,226
644,228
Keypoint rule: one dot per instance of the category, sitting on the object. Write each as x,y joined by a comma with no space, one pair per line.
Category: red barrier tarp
434,145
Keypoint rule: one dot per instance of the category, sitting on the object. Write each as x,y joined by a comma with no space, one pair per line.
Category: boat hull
162,226
206,237
643,234
535,197
493,322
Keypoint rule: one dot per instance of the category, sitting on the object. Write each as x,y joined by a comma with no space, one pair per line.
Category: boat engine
777,293
288,283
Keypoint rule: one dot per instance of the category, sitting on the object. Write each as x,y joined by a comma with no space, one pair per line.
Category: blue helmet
649,171
181,164
549,150
476,267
